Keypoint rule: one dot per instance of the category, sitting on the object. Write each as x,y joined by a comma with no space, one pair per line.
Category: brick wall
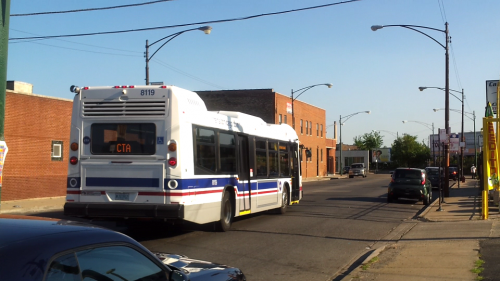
315,141
32,122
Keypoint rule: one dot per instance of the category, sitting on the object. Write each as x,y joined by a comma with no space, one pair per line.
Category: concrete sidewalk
438,245
32,205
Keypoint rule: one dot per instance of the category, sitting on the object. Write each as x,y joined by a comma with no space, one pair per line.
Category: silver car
357,169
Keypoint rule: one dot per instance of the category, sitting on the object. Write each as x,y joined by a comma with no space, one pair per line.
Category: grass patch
478,268
368,264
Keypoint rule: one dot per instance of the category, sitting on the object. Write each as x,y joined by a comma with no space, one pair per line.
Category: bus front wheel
226,212
284,202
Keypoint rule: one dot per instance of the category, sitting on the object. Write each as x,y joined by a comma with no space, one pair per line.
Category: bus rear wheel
226,213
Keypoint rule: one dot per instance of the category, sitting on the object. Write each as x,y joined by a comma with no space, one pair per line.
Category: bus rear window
132,138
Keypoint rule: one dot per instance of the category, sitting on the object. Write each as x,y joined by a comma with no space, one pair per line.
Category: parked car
433,174
34,248
410,183
453,172
357,169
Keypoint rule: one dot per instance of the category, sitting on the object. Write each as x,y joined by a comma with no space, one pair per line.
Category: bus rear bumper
123,210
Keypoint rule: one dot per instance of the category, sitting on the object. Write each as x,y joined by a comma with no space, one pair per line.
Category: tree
407,152
369,141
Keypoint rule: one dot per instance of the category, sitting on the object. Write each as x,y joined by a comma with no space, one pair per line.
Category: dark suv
453,172
433,175
410,183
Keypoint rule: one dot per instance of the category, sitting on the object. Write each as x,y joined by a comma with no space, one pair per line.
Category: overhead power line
187,24
88,10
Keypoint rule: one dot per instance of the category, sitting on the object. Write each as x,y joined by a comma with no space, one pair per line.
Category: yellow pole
484,209
497,123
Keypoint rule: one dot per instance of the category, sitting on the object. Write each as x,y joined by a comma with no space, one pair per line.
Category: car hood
201,270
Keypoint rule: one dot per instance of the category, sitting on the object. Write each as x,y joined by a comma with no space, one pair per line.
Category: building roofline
301,101
40,96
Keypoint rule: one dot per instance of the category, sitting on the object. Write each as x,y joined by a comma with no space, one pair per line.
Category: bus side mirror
308,153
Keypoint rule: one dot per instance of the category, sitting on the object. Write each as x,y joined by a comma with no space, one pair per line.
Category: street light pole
303,90
340,135
205,29
447,85
462,137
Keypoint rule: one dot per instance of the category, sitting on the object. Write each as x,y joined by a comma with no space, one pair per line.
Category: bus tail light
172,146
74,146
73,160
172,161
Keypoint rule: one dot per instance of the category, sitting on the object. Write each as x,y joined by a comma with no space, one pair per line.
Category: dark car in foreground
433,174
34,248
410,183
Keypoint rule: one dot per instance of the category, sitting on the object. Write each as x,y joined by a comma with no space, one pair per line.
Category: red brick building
275,108
36,130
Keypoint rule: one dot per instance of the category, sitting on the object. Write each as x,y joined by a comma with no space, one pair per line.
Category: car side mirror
177,275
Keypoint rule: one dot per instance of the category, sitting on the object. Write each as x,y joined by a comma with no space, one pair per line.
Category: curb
427,210
375,253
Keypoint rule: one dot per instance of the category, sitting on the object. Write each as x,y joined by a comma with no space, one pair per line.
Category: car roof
28,243
410,169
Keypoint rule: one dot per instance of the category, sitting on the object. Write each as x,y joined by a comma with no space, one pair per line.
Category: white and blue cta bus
155,152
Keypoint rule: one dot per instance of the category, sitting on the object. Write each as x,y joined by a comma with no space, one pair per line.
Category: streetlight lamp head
435,109
422,88
206,29
329,85
405,121
368,111
376,27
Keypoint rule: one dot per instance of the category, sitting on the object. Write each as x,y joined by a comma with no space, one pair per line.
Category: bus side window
261,158
205,149
227,153
284,160
273,159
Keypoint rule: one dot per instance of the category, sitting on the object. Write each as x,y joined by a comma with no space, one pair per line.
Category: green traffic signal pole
4,45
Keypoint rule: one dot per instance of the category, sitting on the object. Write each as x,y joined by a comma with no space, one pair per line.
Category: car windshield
408,174
432,172
356,166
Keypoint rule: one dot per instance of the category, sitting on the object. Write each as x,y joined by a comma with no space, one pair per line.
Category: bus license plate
122,196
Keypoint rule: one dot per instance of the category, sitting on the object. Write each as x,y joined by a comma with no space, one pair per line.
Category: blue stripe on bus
183,184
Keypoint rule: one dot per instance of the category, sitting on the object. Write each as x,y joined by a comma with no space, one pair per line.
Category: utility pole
4,46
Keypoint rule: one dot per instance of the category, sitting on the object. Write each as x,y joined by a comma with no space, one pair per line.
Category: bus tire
226,213
284,202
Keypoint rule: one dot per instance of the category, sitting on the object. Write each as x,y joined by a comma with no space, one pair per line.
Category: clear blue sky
378,71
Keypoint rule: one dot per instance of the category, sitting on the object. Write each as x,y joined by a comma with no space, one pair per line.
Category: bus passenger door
294,148
244,185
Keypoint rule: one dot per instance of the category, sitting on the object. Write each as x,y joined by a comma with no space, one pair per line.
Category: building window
322,155
321,127
279,120
57,151
284,121
310,128
301,126
307,128
317,129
